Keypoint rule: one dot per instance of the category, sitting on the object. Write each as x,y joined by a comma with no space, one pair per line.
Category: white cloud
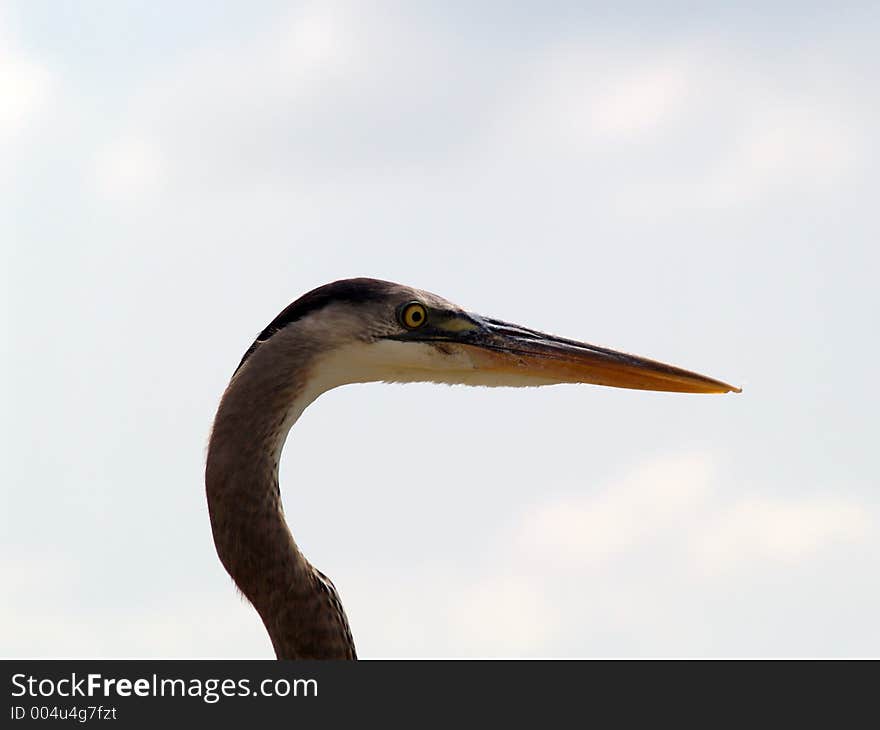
129,169
677,501
576,100
24,90
791,530
696,127
182,623
784,145
27,91
459,613
655,129
321,91
316,41
625,570
642,98
502,616
594,528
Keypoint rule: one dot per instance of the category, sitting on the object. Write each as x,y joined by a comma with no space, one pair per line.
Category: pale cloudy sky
698,186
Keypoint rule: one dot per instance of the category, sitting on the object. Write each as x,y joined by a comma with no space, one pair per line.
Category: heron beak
510,349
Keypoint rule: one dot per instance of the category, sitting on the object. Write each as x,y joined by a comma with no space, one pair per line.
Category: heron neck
297,604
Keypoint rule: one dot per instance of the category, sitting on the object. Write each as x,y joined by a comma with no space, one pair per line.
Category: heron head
362,330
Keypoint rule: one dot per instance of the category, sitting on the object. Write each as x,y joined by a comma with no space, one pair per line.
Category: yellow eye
413,315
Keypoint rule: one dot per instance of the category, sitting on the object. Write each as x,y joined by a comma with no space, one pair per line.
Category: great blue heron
358,331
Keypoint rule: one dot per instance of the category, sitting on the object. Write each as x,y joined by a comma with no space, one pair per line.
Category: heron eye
413,315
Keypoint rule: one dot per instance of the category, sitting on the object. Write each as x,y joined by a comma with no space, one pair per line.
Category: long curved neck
299,606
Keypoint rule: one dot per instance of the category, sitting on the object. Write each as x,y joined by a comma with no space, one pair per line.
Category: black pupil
416,316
